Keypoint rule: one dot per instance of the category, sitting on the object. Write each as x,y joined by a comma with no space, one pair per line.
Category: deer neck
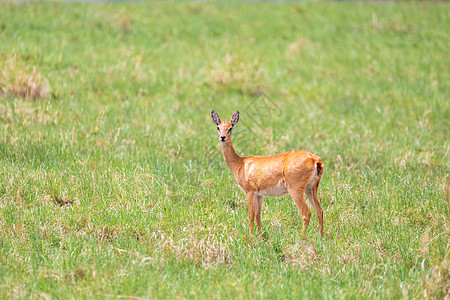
232,160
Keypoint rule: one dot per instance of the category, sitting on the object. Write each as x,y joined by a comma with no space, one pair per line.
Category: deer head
224,128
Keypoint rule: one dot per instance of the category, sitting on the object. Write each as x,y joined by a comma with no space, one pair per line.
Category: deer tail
319,168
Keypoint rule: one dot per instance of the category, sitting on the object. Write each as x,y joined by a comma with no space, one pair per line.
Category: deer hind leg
311,194
251,209
316,200
258,210
297,196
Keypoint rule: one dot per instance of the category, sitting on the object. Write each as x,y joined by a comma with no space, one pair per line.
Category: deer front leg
258,208
251,209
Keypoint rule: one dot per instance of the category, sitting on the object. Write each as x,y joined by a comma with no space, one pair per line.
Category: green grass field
113,184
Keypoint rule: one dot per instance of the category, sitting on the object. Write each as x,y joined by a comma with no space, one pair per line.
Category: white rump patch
313,180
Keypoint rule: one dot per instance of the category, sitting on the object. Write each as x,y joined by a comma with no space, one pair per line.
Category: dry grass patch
29,85
302,254
199,245
27,113
232,73
16,80
437,283
394,25
294,49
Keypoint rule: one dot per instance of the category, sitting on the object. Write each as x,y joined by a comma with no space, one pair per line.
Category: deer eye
218,128
229,130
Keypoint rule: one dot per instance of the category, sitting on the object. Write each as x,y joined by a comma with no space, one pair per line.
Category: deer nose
222,138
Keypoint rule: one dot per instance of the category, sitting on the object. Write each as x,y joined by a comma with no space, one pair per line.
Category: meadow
112,180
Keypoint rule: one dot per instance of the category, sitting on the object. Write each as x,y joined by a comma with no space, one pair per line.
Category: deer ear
235,118
215,117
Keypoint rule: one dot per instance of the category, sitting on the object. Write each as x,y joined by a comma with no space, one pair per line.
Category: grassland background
123,134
